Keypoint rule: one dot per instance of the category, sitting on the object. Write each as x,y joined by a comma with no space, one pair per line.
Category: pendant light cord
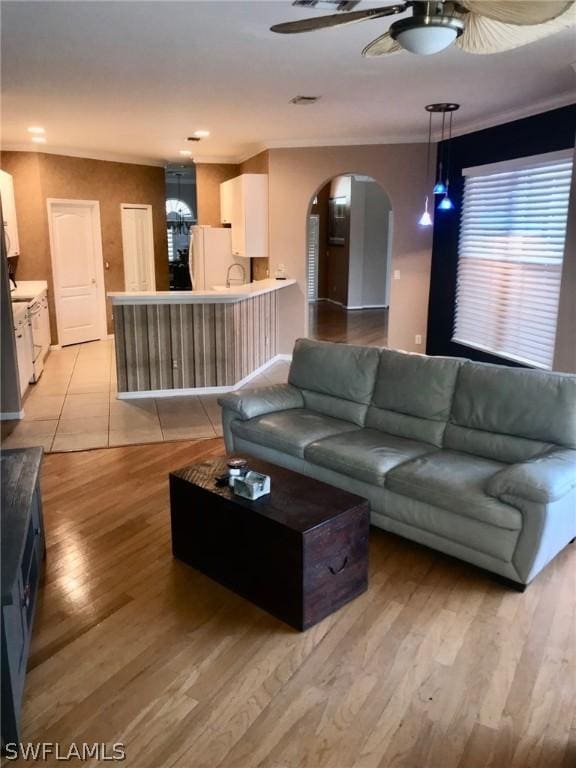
428,149
448,151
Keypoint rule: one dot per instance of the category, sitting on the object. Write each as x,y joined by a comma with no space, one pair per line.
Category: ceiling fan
477,26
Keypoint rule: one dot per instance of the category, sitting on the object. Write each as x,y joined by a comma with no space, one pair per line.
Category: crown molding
86,154
217,160
347,142
516,113
461,127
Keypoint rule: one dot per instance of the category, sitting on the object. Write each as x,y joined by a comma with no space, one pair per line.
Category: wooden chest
300,553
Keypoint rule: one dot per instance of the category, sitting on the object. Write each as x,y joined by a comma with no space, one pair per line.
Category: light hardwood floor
436,666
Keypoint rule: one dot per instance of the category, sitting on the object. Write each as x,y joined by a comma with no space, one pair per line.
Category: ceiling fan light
425,41
425,35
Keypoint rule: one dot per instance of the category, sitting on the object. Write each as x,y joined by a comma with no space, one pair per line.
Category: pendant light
426,220
440,187
446,204
442,183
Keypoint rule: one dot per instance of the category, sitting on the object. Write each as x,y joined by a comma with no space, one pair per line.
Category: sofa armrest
256,402
543,480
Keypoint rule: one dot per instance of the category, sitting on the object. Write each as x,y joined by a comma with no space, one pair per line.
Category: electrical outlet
175,365
418,339
396,274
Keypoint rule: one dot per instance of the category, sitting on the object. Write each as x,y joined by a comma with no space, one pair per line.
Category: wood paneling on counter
184,346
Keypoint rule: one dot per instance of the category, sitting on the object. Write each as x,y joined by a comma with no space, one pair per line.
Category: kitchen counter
185,342
216,295
27,290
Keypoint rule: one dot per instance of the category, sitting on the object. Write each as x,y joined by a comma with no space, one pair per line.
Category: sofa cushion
416,385
413,395
366,454
249,403
336,407
506,448
340,370
536,405
402,425
456,482
290,431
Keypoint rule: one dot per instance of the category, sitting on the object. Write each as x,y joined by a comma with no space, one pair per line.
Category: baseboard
12,416
55,347
367,306
160,393
333,301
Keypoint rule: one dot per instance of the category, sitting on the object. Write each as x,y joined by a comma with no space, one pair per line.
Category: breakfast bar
175,342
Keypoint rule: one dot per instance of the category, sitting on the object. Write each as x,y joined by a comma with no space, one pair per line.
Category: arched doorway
349,261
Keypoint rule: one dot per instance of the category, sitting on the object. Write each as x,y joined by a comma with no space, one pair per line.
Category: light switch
396,274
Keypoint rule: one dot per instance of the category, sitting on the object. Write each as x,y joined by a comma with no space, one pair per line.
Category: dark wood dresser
23,552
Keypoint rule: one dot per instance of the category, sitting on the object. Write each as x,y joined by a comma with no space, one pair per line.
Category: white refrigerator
210,255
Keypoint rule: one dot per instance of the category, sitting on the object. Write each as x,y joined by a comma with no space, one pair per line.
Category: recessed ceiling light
185,152
36,129
202,134
39,139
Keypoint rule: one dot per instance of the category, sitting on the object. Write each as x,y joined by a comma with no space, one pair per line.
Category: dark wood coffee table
300,553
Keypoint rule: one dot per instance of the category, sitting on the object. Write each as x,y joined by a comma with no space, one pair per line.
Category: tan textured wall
256,164
209,176
39,176
565,348
295,175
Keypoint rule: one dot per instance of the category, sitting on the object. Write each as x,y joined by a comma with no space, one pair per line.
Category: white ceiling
133,79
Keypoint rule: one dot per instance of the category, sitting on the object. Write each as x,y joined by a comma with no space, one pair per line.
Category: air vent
332,5
304,100
193,138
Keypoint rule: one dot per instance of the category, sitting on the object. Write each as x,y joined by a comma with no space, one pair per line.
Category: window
170,237
176,209
512,236
313,253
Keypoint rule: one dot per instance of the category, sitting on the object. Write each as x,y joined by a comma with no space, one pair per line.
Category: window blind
511,248
313,252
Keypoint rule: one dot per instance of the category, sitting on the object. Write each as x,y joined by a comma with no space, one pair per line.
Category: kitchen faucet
230,268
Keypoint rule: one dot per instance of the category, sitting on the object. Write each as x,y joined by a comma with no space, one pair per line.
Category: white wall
368,283
376,246
356,241
296,175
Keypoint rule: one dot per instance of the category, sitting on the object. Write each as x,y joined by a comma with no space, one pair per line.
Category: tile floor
74,406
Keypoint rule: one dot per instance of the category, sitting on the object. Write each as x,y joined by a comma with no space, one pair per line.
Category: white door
138,247
77,270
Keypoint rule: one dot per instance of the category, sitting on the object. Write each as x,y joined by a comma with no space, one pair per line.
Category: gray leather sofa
474,460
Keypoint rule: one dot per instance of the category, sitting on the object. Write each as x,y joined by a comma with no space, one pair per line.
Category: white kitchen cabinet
24,347
9,214
244,205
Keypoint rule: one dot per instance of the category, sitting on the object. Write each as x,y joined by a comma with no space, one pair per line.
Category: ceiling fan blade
483,35
337,19
518,12
381,46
